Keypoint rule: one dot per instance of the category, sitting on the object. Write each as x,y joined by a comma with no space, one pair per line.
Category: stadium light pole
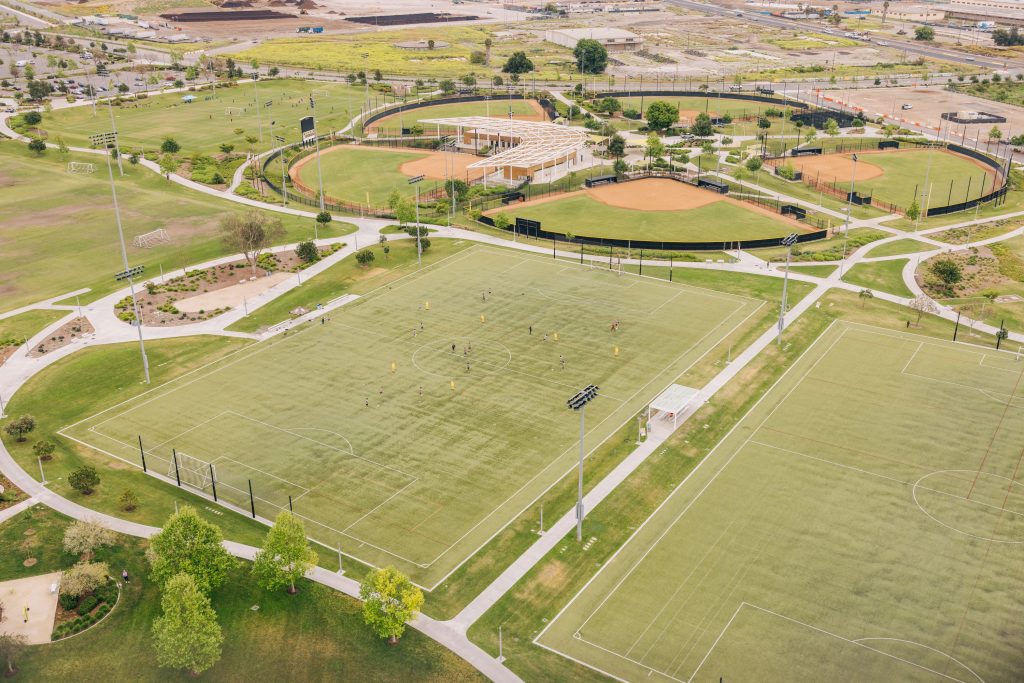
316,140
117,146
849,212
127,269
284,186
415,182
579,402
788,241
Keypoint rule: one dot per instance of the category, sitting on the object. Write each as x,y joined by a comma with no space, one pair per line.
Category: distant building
613,39
916,13
975,12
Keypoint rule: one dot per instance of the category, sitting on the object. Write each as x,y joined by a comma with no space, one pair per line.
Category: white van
21,63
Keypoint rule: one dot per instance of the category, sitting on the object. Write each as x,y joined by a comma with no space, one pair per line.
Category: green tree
84,577
37,146
191,545
831,127
84,480
286,556
591,56
447,86
655,147
323,218
187,635
82,537
662,115
227,148
620,166
487,50
754,164
405,212
307,251
502,221
19,428
39,90
128,500
617,146
44,449
518,63
995,133
924,33
864,295
389,601
913,211
32,118
170,146
168,164
365,257
457,188
702,127
948,271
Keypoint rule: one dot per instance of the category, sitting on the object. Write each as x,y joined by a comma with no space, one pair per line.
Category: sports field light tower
415,180
788,241
128,273
849,211
579,402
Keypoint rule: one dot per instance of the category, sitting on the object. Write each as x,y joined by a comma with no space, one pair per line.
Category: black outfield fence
704,94
534,230
458,99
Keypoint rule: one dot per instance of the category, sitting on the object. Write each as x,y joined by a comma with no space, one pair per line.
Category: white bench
54,587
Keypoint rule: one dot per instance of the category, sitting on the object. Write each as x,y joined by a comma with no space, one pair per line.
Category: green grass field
65,237
713,105
833,534
203,125
906,170
724,221
425,474
353,172
496,107
897,247
884,276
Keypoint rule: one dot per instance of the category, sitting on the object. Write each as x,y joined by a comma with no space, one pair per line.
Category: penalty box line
668,528
859,643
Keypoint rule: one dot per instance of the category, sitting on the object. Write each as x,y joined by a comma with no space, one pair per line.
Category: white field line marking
647,668
988,393
224,458
715,644
589,433
912,357
892,479
378,506
711,481
668,499
936,651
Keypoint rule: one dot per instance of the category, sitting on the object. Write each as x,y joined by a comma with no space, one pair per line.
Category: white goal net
81,167
234,111
192,471
151,239
319,92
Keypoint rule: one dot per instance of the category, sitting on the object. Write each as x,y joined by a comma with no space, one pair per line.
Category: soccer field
863,522
400,449
214,116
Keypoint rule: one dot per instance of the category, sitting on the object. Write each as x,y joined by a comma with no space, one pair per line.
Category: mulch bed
67,333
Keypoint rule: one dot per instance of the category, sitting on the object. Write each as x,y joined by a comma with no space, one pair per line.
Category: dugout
804,151
713,184
601,180
797,212
888,144
510,197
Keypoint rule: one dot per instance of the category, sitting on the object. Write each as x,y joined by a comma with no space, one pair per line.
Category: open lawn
897,247
400,458
527,110
345,52
316,634
204,124
689,107
832,535
713,218
65,237
25,325
884,276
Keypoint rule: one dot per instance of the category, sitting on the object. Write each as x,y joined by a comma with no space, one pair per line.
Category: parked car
907,106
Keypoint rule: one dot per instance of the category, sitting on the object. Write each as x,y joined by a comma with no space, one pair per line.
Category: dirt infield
838,167
654,194
414,114
690,115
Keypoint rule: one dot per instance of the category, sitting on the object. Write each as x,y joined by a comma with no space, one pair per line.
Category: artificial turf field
422,481
859,524
202,125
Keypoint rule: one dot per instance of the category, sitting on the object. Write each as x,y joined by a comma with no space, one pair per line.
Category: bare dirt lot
929,103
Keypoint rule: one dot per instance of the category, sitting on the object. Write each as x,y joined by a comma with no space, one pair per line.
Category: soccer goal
319,92
234,111
151,239
192,471
81,167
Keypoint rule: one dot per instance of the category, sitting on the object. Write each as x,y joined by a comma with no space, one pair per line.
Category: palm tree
864,295
885,11
487,53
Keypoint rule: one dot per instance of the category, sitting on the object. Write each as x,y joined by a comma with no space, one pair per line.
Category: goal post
80,167
319,92
151,239
234,111
191,471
